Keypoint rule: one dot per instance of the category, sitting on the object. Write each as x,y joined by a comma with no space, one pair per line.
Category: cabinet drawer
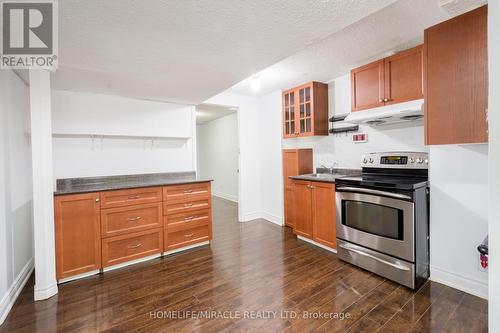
137,196
181,238
185,206
186,191
123,220
119,249
179,221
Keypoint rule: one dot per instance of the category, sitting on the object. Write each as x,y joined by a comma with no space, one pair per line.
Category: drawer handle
134,219
188,205
134,246
188,191
189,235
133,197
188,218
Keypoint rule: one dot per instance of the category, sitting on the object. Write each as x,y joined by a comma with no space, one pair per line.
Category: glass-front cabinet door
289,113
305,110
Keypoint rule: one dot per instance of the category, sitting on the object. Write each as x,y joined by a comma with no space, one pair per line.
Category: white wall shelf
117,136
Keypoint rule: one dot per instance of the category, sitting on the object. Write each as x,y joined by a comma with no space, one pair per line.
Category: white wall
459,215
136,120
16,222
217,149
270,157
494,164
249,198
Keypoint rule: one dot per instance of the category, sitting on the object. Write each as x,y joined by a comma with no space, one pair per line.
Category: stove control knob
371,160
420,160
365,160
426,161
412,160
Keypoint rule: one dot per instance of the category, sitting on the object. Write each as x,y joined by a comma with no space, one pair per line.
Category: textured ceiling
187,50
207,112
396,27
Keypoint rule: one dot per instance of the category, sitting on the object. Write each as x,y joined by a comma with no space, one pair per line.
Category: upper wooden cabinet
456,80
392,80
305,110
367,86
295,162
77,234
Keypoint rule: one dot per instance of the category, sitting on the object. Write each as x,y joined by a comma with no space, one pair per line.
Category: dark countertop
325,176
108,183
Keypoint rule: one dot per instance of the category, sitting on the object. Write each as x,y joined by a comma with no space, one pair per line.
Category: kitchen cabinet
187,211
323,211
314,205
103,229
305,110
77,234
295,162
302,204
392,80
456,80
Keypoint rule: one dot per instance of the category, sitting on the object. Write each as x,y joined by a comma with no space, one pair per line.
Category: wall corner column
43,202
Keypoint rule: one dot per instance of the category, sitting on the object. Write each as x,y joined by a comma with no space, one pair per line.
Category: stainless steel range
383,217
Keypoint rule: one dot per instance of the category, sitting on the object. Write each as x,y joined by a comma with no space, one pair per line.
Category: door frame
493,165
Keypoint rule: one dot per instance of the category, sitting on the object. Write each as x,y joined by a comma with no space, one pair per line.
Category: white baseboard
251,216
131,262
41,294
181,249
460,282
15,289
317,244
229,197
272,218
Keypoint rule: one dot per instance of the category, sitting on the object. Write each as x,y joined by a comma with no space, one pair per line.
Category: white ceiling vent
457,7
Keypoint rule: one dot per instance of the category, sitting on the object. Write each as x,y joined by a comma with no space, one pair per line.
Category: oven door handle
375,192
400,267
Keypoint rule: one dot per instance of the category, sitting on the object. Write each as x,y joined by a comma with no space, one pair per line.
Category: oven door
382,221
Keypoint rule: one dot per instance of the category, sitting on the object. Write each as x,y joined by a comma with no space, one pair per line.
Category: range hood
391,114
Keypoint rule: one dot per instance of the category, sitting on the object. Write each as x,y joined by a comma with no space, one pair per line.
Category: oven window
372,218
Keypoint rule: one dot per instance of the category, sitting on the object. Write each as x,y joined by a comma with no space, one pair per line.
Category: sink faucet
330,169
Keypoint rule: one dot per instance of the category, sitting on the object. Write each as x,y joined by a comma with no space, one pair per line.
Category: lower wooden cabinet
302,204
314,211
120,249
103,229
77,234
323,213
295,162
187,234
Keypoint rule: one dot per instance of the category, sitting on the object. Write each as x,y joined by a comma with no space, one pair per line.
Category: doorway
217,149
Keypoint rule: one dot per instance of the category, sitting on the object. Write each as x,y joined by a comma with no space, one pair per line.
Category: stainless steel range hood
395,113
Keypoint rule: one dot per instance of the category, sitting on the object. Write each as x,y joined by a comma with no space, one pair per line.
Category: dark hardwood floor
251,270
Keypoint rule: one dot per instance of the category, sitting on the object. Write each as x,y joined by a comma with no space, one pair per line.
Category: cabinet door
77,234
456,80
323,209
289,124
367,86
302,204
305,110
404,76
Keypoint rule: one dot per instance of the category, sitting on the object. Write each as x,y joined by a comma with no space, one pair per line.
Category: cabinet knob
97,200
